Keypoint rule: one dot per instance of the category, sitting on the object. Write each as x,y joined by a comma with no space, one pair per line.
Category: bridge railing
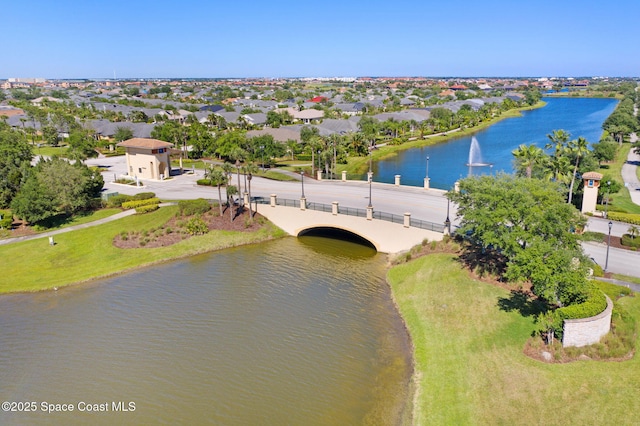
352,211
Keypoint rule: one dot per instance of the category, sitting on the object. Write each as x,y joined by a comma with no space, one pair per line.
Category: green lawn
621,200
89,253
49,151
470,366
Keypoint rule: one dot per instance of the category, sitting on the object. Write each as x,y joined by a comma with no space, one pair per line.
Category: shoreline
360,164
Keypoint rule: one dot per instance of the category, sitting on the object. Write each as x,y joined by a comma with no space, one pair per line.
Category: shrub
624,217
205,182
596,303
597,270
143,196
192,207
117,200
197,226
134,204
147,208
6,222
629,241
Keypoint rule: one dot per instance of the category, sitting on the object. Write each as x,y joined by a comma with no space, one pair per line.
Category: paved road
429,205
624,262
596,224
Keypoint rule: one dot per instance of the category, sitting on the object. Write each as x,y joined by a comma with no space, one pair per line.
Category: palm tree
216,177
528,157
250,169
227,169
558,141
579,148
231,191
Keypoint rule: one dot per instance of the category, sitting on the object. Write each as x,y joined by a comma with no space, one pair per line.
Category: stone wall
587,331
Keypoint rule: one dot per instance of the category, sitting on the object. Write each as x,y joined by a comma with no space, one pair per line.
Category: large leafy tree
15,155
56,187
527,224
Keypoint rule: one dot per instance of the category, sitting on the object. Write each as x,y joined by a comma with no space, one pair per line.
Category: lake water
447,161
294,331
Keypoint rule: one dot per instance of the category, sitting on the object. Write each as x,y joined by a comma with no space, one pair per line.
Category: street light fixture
606,262
606,207
302,180
447,221
427,175
370,174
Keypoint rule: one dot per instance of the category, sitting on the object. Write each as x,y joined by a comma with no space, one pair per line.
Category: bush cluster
117,200
146,209
596,303
197,226
205,182
634,219
192,207
629,241
134,204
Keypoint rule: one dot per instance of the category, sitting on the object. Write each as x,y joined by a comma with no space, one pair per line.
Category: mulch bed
175,229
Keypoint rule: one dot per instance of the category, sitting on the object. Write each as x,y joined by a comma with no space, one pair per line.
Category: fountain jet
475,155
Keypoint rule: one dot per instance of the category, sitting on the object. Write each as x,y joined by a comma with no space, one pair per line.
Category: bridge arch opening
338,234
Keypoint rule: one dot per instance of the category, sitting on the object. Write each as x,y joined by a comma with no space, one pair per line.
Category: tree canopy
526,225
15,156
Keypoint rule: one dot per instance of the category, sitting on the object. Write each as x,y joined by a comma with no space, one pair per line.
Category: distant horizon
427,77
70,39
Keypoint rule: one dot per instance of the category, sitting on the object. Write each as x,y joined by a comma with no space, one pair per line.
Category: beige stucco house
147,158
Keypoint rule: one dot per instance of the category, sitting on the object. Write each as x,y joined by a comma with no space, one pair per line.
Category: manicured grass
627,278
620,201
273,175
89,253
78,219
49,151
470,366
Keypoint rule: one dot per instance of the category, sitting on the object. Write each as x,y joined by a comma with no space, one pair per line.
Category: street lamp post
606,206
447,221
606,262
427,175
302,181
370,174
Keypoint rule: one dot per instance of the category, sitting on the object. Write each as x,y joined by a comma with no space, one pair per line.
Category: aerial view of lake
294,331
447,161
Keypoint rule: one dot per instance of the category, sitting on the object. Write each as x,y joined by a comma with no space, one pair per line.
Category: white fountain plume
475,155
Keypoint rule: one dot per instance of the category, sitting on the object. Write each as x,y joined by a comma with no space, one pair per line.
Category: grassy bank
359,165
621,200
469,364
89,253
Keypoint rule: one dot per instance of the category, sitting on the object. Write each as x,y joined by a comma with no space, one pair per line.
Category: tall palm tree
528,157
216,177
250,169
579,148
227,168
558,140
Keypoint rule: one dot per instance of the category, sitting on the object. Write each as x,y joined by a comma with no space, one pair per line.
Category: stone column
334,208
319,174
426,183
456,187
369,213
273,200
246,198
344,175
407,220
303,203
397,180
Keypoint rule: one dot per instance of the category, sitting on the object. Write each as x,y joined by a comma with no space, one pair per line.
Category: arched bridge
386,232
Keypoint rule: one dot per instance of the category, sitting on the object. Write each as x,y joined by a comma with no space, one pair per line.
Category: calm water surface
295,331
447,161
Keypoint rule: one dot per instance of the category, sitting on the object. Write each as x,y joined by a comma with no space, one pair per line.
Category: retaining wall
587,331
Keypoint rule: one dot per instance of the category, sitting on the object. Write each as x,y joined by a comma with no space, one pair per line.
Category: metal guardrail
351,211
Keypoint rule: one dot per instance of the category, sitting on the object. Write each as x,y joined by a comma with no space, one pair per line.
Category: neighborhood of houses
333,106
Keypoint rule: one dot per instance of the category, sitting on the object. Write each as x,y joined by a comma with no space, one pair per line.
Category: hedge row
204,182
117,200
192,207
628,241
596,303
624,217
134,204
147,208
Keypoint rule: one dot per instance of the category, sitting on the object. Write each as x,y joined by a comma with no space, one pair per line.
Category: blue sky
282,38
